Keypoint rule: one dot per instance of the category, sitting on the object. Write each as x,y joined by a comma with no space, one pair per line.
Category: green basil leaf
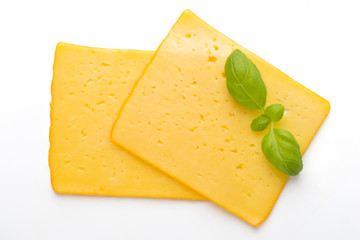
275,112
282,150
260,123
244,81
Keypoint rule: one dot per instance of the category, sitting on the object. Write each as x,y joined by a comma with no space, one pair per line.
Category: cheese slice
181,118
88,88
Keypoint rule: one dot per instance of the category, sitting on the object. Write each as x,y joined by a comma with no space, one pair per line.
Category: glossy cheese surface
181,118
89,86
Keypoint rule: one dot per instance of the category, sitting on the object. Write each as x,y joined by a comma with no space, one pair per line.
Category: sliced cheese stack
181,118
89,86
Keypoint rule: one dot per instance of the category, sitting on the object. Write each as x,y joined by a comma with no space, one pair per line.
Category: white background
315,42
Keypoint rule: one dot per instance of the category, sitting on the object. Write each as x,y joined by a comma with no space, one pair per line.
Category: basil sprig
246,86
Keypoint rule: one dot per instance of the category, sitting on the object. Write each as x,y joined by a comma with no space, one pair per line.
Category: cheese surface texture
89,86
181,118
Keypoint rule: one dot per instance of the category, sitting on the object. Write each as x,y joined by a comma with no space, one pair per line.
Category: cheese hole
216,47
240,167
193,129
67,162
234,150
223,75
188,35
202,117
252,145
249,195
90,80
212,59
160,142
83,133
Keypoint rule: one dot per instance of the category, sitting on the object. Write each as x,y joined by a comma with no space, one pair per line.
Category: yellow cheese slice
181,118
89,86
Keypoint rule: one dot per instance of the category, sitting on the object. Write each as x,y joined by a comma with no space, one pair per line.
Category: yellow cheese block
89,86
181,118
